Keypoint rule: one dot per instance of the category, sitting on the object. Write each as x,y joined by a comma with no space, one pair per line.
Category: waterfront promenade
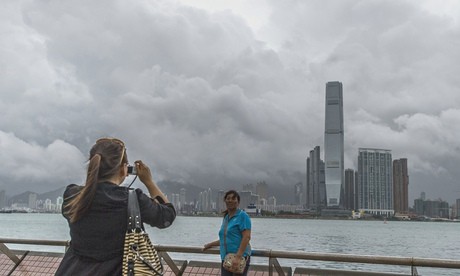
21,263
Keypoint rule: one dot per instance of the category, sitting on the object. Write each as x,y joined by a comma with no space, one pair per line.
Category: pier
23,262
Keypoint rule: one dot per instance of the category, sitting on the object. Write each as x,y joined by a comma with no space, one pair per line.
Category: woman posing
234,234
97,211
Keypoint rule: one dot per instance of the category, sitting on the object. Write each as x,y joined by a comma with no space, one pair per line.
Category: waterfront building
271,201
32,200
431,208
59,202
205,203
400,186
175,200
349,193
262,189
457,212
182,194
49,206
315,178
248,187
375,181
220,204
248,198
298,193
334,144
2,199
355,198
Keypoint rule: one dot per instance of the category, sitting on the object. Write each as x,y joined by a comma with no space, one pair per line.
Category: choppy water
407,239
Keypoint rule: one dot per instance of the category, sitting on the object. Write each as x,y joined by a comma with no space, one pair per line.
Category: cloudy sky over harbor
227,92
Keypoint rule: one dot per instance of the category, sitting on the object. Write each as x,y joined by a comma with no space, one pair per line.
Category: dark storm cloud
199,93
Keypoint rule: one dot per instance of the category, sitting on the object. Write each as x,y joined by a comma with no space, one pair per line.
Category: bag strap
225,233
134,214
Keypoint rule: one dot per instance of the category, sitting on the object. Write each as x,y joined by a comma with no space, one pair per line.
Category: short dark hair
234,193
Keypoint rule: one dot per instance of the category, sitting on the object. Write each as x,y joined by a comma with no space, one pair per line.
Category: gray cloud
205,98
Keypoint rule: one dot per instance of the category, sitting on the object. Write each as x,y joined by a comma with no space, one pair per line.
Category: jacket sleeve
70,192
155,214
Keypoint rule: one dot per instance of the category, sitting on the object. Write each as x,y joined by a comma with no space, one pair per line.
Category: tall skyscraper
400,186
375,181
349,194
315,188
334,144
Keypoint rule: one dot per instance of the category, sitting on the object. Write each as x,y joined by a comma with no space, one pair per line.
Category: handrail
273,254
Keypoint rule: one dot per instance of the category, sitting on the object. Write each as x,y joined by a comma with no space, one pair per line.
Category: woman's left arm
244,242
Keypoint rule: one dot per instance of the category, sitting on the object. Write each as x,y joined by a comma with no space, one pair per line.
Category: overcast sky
227,92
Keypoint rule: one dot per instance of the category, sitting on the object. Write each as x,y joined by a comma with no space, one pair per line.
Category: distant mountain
24,197
282,193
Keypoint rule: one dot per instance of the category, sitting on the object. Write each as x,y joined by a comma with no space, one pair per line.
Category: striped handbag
139,255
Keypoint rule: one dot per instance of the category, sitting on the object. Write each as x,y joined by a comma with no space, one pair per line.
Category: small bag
139,255
228,263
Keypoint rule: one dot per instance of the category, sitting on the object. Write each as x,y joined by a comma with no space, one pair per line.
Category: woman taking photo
234,234
97,212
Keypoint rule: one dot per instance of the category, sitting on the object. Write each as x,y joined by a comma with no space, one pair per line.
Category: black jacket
99,235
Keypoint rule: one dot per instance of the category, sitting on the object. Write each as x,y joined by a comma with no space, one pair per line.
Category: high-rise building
2,199
457,213
248,198
32,200
375,181
349,194
355,198
431,208
182,193
400,186
315,189
59,202
220,206
248,187
298,193
334,144
262,189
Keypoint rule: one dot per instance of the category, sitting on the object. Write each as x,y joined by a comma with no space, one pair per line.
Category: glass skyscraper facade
316,190
334,144
400,186
375,181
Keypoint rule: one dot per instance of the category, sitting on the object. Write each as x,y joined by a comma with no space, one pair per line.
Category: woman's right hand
143,172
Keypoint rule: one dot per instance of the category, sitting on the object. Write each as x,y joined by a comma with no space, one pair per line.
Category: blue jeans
224,272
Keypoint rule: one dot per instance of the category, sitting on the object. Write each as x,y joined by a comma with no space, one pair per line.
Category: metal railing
272,255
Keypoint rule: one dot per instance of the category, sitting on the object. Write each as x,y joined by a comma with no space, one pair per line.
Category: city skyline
222,93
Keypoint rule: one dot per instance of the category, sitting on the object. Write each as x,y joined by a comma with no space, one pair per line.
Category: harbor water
395,238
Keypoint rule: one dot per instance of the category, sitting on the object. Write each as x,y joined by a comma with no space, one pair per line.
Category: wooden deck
45,264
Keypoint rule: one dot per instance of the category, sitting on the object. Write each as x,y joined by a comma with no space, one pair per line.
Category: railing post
413,269
10,254
273,263
172,264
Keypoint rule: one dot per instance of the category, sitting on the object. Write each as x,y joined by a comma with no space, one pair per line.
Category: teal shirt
235,226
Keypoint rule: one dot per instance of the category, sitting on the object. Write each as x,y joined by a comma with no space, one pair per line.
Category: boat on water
252,210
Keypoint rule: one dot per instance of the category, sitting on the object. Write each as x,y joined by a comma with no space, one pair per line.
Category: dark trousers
224,272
